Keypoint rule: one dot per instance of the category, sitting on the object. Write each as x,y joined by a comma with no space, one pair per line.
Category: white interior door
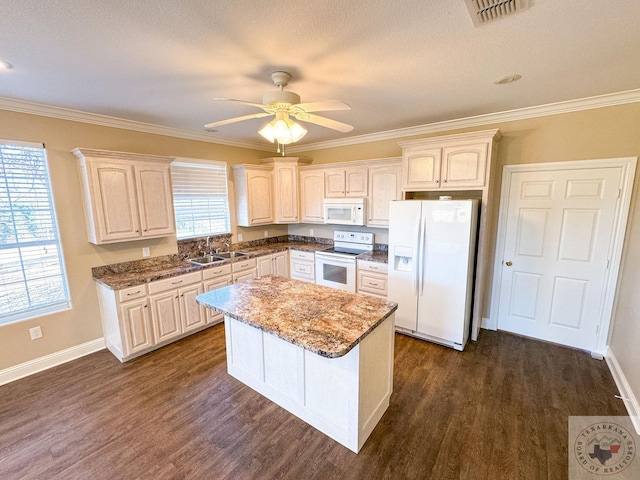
557,251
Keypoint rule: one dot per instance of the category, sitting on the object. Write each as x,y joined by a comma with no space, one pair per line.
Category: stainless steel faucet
209,245
228,247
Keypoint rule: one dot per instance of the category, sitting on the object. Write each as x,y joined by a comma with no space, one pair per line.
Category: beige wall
591,134
81,323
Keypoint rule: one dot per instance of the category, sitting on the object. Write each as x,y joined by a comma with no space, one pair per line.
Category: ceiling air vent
485,11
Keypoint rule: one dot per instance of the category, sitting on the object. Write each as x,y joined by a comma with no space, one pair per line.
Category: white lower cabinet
138,319
244,270
274,264
214,278
372,278
136,326
302,265
174,310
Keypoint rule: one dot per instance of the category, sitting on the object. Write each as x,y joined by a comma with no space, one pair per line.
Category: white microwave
344,211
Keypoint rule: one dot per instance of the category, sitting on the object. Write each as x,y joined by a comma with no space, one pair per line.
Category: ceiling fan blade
234,120
259,105
324,122
325,106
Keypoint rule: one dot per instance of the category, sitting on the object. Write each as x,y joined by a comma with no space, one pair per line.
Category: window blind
200,199
32,276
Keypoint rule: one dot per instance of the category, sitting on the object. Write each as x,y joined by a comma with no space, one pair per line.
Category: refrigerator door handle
422,235
416,258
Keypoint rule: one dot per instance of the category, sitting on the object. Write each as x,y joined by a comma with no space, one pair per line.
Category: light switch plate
146,252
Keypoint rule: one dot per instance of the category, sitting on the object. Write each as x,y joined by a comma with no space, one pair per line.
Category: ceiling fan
285,104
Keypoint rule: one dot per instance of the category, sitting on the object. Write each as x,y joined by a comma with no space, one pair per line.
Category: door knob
509,264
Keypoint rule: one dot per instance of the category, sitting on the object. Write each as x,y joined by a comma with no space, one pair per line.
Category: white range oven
336,266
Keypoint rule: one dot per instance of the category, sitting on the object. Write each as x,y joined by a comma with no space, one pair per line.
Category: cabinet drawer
243,265
213,272
300,255
376,267
132,293
376,283
303,271
174,282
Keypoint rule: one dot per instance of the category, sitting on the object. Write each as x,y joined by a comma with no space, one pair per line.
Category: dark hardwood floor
498,410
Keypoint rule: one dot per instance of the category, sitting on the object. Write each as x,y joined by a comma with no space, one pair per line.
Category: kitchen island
324,355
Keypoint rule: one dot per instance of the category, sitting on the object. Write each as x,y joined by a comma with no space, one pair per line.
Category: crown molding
22,106
600,101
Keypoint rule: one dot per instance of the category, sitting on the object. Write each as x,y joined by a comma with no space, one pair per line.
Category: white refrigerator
431,268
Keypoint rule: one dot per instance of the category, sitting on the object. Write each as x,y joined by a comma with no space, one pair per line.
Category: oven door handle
328,257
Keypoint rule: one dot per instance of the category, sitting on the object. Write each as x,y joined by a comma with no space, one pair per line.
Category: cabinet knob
444,181
437,181
508,263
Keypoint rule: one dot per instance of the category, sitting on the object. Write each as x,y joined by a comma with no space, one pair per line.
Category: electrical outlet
239,237
311,232
146,252
35,332
266,233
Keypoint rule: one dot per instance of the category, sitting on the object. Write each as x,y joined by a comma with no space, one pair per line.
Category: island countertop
322,320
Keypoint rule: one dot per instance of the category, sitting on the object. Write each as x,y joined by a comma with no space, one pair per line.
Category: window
200,198
32,277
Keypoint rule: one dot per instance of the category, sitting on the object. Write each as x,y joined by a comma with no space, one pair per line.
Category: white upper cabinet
452,162
126,196
345,182
385,185
254,194
311,195
285,187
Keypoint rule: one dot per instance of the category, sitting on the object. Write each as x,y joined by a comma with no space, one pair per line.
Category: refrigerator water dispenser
402,259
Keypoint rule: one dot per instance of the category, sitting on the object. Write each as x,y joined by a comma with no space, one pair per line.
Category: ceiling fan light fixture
283,130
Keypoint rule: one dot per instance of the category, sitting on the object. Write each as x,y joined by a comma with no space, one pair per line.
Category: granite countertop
322,320
379,256
129,274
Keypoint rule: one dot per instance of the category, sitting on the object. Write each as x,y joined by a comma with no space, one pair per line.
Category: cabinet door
244,275
311,196
265,265
464,166
136,327
213,284
114,199
260,197
191,314
421,168
165,315
356,182
334,183
286,193
385,185
155,200
280,264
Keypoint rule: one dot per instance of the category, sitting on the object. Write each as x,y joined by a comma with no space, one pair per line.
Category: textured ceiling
397,63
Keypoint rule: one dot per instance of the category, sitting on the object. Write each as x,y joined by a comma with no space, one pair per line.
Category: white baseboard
43,363
629,399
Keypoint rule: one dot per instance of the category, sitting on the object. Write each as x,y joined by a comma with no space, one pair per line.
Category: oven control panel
353,237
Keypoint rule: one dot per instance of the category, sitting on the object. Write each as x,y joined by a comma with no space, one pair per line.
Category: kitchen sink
207,259
216,257
226,255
